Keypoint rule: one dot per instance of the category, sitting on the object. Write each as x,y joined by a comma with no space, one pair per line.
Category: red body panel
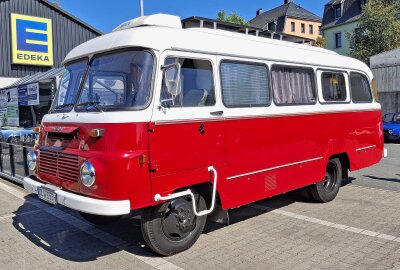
255,158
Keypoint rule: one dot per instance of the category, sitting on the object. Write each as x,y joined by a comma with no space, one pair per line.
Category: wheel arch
345,161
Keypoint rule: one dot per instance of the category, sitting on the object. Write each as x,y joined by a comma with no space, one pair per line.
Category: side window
333,86
245,84
293,85
360,89
387,118
197,84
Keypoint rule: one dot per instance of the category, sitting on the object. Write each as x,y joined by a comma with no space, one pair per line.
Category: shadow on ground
70,243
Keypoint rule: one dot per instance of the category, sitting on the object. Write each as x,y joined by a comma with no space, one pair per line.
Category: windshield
69,86
119,81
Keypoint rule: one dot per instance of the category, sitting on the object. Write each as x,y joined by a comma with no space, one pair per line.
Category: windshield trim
115,108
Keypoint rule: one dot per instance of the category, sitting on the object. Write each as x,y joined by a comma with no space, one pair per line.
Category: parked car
21,136
391,127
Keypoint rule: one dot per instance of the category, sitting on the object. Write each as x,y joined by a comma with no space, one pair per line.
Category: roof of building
59,9
213,41
38,77
287,10
351,11
385,59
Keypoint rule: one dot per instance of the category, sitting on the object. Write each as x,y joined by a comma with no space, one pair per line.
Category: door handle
217,113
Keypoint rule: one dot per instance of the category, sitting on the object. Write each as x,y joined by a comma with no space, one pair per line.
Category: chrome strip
274,168
365,148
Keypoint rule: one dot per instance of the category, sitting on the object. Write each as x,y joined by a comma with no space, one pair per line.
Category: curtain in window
293,85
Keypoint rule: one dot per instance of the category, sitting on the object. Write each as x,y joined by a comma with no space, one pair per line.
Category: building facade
340,18
35,36
386,70
289,19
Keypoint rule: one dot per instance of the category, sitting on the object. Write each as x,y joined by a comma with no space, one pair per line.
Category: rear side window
333,86
244,84
197,84
293,85
360,89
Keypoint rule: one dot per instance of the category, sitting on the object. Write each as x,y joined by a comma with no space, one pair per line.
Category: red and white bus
182,123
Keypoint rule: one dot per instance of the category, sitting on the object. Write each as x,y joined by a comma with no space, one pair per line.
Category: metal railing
13,161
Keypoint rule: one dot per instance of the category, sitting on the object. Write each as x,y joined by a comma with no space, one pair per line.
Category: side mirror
172,80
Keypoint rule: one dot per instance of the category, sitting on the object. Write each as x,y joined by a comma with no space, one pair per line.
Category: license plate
47,195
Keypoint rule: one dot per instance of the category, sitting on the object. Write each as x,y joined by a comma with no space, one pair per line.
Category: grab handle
188,192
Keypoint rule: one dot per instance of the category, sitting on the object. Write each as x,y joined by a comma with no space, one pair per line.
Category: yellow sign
32,40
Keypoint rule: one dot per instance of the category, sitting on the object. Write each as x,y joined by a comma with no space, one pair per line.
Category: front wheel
327,190
172,227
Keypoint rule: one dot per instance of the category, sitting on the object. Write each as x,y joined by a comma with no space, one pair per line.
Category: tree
378,30
232,18
320,42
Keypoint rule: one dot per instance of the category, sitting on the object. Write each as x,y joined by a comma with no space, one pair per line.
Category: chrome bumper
82,203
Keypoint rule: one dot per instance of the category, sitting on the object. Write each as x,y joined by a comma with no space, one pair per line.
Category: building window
245,84
271,26
338,11
311,29
293,25
303,28
293,85
338,40
319,30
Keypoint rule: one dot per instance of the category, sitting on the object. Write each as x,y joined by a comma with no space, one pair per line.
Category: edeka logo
32,40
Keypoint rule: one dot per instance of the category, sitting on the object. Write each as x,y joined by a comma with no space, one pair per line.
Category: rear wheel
172,227
99,220
327,190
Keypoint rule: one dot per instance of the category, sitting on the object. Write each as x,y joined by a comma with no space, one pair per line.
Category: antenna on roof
141,8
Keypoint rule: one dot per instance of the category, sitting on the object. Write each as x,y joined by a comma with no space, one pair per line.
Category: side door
186,134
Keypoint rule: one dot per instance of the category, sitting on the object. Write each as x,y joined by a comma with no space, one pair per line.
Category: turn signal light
36,129
96,133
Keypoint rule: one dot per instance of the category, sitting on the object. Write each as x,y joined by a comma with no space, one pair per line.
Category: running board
188,192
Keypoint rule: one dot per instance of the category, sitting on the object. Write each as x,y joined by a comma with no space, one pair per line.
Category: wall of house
386,70
329,35
288,28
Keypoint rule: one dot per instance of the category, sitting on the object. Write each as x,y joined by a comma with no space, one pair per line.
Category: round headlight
391,132
32,160
88,174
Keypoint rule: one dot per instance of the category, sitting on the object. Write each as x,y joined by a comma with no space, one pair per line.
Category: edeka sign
32,40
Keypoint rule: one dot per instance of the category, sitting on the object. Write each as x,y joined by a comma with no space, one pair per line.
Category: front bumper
82,203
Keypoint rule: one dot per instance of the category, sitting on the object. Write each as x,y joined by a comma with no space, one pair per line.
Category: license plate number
47,195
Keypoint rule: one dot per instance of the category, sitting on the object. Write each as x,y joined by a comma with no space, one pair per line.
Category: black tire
172,227
99,220
327,190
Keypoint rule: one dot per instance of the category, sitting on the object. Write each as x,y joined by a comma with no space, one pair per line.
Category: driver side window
196,83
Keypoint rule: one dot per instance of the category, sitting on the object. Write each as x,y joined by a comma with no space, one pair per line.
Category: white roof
153,20
221,42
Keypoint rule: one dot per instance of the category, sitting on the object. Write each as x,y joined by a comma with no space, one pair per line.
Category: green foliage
320,42
232,18
379,30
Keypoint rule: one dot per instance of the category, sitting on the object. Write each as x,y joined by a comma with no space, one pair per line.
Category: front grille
58,164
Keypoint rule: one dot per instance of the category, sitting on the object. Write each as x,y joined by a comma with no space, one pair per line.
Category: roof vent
152,20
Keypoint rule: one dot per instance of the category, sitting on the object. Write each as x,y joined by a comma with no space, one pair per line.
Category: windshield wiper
64,106
93,104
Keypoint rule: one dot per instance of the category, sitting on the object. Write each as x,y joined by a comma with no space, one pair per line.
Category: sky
105,15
